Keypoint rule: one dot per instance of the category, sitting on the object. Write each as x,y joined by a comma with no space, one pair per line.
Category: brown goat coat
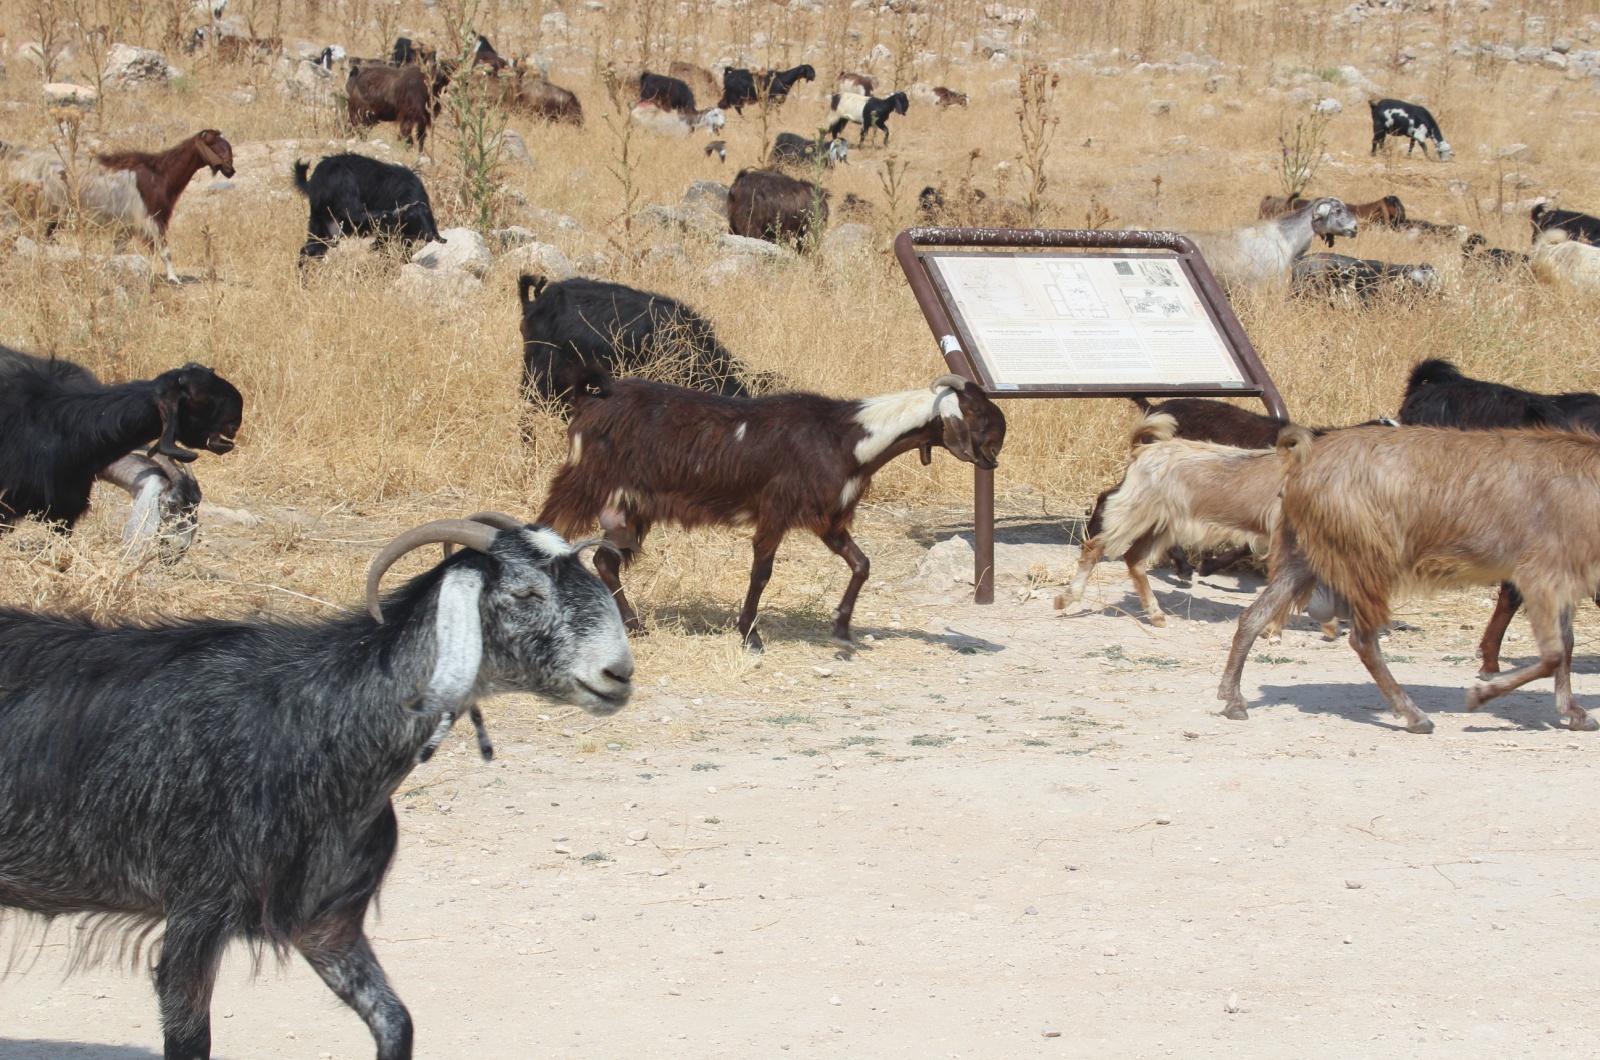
1377,512
763,204
397,94
650,452
543,99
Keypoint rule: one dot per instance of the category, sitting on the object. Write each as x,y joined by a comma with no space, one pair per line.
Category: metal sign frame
955,342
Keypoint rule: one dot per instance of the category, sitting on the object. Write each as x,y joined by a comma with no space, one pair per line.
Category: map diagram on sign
1082,319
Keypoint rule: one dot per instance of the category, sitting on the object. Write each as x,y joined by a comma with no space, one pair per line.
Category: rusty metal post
982,535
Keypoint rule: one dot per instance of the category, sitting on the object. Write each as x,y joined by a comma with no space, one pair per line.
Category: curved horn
464,532
498,520
955,381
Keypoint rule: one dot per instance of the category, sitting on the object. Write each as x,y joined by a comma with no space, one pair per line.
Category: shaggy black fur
352,194
741,87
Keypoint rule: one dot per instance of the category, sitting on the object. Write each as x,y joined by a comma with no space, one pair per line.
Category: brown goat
698,78
642,452
540,98
1372,513
1180,492
235,49
763,204
948,97
1387,211
398,94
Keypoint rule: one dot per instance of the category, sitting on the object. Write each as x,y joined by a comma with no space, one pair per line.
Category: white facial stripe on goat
458,640
889,416
549,542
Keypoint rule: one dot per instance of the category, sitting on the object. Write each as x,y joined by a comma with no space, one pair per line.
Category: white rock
1329,105
441,288
947,563
658,872
310,84
513,148
638,835
1007,88
758,250
662,218
462,248
1232,1004
666,254
705,207
130,67
512,236
61,92
1160,108
542,258
848,239
126,270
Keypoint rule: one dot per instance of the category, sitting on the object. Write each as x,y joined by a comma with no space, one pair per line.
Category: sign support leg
983,535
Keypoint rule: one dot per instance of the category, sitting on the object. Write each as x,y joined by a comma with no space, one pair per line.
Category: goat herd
232,779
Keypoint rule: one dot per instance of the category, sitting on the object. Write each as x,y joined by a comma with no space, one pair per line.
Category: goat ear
958,438
167,445
458,643
1324,208
207,155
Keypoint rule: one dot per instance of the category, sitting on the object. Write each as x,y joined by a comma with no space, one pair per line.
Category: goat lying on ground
1581,227
1388,210
1372,513
60,427
947,97
132,192
1178,492
1331,274
550,102
233,779
355,195
793,149
676,123
1263,253
642,453
1562,261
1477,248
763,204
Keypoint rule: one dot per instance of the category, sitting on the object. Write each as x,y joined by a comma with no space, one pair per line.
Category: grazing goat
763,204
1373,513
698,78
1332,274
1432,229
859,84
868,112
677,123
550,102
1394,117
60,427
741,88
668,93
718,148
1264,253
1581,227
1438,395
132,192
1560,260
947,97
234,779
355,195
577,322
1477,249
642,453
398,94
795,150
1388,211
1177,492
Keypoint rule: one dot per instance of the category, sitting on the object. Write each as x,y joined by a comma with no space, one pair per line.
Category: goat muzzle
467,533
217,443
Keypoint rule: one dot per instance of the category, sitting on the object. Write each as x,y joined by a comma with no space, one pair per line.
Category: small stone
711,791
1277,841
834,1000
1497,927
1348,940
1232,1004
1032,910
558,838
638,835
1050,1032
588,916
563,850
613,747
822,671
1354,885
675,992
1109,951
1071,867
658,872
1163,819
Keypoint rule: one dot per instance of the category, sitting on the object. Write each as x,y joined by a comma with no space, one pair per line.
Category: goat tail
1140,400
1432,371
1294,445
528,280
1157,427
301,170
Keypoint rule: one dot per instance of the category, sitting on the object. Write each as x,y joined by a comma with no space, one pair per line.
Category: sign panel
1070,321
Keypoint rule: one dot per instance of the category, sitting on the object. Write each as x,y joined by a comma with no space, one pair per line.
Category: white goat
673,123
1264,252
1560,260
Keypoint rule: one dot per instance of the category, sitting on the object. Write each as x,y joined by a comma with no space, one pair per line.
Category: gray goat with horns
234,779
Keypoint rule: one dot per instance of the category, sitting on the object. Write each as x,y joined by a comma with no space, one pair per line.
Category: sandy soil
991,823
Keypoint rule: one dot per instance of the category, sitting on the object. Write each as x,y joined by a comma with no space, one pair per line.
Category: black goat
642,453
623,330
792,149
352,194
1438,395
741,87
1477,248
1581,227
668,93
233,779
60,427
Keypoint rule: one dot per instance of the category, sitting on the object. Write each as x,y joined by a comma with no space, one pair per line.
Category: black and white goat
60,427
232,780
1395,117
355,195
1579,227
1333,274
1265,252
641,453
792,149
869,112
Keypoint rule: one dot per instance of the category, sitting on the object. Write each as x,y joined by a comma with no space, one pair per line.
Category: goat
60,427
1560,260
329,55
1476,248
676,123
698,78
1580,227
1439,395
407,52
869,112
763,204
398,94
352,194
741,87
640,453
483,54
1330,274
668,93
1179,492
234,779
859,84
795,150
545,100
1433,230
1371,513
621,329
1264,252
1394,117
718,148
1388,211
132,192
231,48
166,504
947,97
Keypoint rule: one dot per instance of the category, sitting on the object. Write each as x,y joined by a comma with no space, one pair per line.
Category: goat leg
186,974
1365,643
607,564
1093,551
1137,559
1494,633
338,951
1577,719
485,747
1180,563
1222,561
1290,582
844,546
765,546
1552,629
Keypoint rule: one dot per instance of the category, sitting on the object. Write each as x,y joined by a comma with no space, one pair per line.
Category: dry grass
365,413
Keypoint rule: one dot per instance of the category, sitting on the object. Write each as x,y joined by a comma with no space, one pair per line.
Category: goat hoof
1476,698
1421,725
753,645
1583,723
843,642
1488,675
1235,713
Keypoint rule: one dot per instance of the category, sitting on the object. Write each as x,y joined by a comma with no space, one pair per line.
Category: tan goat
1181,492
1376,512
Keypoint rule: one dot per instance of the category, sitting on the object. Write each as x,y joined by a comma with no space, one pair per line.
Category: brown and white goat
131,192
1375,513
643,452
1388,211
1182,492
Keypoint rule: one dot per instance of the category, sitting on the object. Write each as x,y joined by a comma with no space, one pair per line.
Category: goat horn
464,532
595,542
955,381
498,520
